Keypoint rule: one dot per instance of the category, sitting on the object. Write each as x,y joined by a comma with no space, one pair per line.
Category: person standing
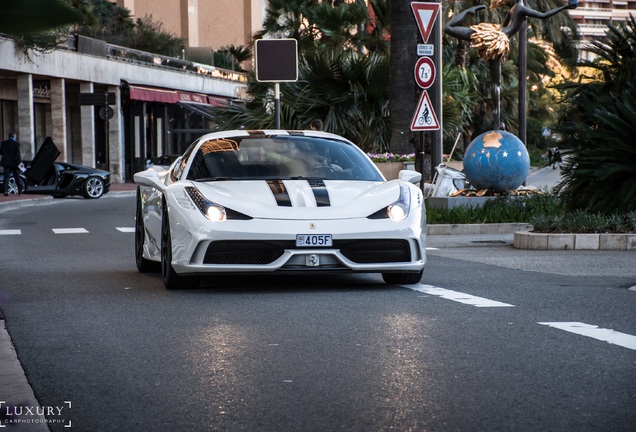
315,125
557,159
11,160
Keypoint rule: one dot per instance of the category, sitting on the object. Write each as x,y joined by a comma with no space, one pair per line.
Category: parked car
163,161
45,176
274,201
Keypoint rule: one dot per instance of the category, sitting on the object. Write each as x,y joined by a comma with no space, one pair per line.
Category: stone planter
390,170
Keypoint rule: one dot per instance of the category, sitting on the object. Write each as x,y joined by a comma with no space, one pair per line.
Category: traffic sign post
425,16
425,72
276,61
427,116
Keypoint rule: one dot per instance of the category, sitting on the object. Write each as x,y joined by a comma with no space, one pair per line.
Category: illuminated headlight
215,213
399,210
211,210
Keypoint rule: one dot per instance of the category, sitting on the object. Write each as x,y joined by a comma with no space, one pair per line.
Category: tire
93,188
143,265
171,279
402,278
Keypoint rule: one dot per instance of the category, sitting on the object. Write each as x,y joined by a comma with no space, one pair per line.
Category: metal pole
523,62
437,144
106,137
276,105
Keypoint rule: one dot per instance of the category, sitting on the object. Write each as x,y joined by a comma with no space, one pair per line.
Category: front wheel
402,278
93,188
16,188
171,279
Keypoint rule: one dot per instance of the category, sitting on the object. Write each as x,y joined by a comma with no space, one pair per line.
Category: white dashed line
457,296
70,231
126,229
607,335
10,232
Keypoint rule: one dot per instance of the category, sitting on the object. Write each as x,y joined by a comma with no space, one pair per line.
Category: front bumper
260,245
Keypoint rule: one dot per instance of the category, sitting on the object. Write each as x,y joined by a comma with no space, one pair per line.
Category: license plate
313,240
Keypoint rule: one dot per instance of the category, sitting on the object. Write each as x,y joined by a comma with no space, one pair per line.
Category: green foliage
150,36
582,222
343,74
231,56
598,124
499,210
558,32
26,17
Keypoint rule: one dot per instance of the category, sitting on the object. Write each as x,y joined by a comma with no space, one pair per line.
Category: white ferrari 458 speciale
265,201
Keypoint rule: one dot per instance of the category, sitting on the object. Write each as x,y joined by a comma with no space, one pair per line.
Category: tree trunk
403,92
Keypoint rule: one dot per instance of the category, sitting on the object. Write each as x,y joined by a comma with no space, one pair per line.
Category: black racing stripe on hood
320,192
280,192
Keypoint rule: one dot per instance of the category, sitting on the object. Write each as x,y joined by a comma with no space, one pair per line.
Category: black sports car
45,176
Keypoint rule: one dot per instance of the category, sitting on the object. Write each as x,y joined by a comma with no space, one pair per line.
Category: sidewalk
12,202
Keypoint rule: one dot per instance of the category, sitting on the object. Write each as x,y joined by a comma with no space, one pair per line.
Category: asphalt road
484,343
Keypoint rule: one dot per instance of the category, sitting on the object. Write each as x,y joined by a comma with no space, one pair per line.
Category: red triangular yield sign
425,16
424,118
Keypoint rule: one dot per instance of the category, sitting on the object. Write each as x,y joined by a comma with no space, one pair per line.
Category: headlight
211,210
397,211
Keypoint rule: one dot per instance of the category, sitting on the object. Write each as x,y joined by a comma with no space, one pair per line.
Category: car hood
302,199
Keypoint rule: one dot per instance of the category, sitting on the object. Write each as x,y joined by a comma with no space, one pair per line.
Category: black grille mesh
375,251
265,252
244,252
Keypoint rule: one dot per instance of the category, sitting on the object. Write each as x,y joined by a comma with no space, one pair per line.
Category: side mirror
410,176
149,178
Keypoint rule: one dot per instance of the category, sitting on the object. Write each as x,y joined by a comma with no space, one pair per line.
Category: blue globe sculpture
496,160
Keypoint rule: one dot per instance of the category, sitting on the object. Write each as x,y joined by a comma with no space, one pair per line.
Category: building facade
210,24
592,17
152,105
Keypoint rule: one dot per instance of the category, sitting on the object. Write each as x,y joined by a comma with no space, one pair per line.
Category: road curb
550,241
472,229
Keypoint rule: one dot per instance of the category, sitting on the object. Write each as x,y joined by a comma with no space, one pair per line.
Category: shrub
585,223
498,210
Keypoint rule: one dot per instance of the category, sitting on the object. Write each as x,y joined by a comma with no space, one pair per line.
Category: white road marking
126,229
457,296
10,232
432,248
70,231
607,335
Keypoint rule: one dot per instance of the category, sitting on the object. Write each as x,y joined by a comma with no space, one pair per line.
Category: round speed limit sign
424,72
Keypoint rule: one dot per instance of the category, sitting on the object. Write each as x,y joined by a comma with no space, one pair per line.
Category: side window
177,172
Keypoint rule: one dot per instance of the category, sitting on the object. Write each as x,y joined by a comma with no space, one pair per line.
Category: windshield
280,157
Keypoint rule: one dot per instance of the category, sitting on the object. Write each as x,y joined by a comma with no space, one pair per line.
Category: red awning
149,94
153,94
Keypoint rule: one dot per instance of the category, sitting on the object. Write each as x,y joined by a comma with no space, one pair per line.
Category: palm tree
343,73
598,125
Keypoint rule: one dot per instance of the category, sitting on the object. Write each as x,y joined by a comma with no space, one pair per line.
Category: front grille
266,252
244,252
375,251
